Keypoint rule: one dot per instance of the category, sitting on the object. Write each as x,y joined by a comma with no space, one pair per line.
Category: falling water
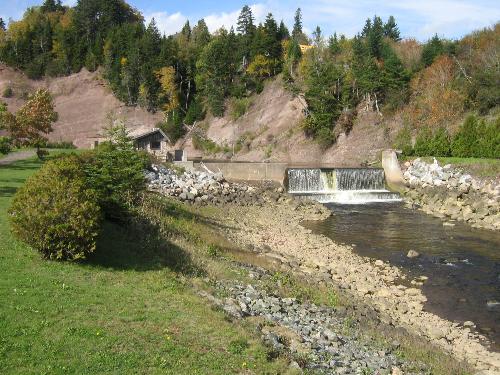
340,185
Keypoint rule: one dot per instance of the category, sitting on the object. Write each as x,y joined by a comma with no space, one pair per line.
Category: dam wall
242,171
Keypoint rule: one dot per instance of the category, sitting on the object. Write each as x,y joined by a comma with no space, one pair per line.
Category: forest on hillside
430,85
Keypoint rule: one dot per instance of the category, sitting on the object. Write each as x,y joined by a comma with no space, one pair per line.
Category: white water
343,185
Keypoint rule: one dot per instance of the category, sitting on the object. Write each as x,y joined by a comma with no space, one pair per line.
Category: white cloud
168,24
215,21
448,17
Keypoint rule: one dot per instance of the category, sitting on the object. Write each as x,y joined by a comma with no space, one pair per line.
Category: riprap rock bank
451,194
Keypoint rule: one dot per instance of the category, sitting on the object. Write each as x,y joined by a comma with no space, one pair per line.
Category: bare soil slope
271,130
83,102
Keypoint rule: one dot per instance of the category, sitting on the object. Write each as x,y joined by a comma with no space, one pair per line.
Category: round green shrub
8,92
56,212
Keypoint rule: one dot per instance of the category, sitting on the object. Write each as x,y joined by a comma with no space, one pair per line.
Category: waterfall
340,185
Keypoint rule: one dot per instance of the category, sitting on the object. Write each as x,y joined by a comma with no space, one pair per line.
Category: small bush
5,145
41,153
477,138
238,346
8,92
56,212
213,250
116,172
403,141
432,142
173,127
194,113
205,144
239,107
60,145
325,138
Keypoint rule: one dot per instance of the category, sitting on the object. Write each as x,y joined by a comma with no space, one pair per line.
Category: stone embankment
321,338
275,230
452,195
207,188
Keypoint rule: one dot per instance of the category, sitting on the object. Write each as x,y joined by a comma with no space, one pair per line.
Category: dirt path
16,156
276,228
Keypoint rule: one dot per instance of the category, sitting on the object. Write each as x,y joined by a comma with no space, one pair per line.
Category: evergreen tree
216,68
200,35
283,32
334,45
318,38
297,26
272,39
391,29
367,28
432,49
2,24
51,6
186,31
376,37
246,20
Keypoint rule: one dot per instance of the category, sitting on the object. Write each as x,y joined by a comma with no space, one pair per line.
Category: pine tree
200,35
367,28
51,6
272,39
376,37
186,31
283,31
318,38
334,45
391,29
2,24
432,49
297,26
246,21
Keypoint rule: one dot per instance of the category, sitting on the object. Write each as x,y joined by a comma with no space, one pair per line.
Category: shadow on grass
22,165
8,191
143,244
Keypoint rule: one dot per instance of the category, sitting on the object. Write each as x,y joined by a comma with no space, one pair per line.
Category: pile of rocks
206,187
322,336
449,193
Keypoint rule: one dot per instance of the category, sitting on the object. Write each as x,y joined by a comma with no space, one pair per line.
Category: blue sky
420,19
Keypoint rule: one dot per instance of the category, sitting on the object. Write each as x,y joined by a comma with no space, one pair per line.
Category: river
462,263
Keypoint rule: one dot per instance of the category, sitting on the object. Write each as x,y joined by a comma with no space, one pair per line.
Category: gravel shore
274,229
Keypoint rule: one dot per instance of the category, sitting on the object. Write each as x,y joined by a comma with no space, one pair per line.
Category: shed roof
143,133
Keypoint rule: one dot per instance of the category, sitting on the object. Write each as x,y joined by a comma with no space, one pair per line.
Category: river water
462,263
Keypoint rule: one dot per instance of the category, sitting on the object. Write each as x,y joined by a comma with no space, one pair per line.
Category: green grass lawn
116,313
476,166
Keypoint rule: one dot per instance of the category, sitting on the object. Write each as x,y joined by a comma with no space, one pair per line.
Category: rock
379,263
232,307
413,254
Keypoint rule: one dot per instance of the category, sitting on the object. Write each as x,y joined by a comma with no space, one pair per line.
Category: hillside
271,130
83,102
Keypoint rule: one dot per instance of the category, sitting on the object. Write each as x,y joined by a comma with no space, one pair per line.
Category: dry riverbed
273,230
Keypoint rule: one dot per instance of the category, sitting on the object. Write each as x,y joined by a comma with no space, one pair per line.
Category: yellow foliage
123,61
262,66
166,76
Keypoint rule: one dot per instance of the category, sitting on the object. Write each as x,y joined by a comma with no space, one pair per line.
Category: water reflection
463,264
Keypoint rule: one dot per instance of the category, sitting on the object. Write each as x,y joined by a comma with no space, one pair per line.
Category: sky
420,19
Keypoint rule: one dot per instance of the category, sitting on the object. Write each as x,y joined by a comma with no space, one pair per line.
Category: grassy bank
133,307
116,313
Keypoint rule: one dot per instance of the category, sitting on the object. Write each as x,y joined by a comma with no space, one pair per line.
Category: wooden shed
154,141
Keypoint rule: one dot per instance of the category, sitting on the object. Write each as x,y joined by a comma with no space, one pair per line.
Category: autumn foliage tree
30,125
